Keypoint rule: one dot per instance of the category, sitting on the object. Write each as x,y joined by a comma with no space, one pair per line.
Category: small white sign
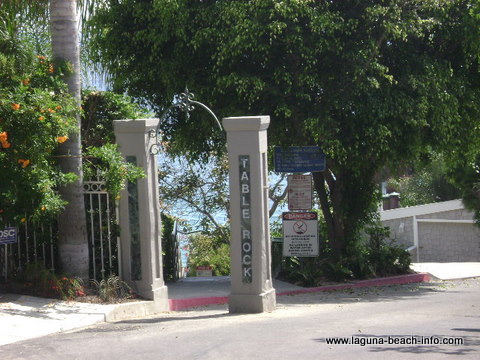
300,234
204,271
300,193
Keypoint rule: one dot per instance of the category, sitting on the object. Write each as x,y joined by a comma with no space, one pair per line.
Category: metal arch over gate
185,103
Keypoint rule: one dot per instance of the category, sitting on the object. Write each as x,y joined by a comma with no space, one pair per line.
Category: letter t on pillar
251,289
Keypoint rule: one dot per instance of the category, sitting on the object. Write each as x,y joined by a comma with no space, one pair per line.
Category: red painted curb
392,280
180,304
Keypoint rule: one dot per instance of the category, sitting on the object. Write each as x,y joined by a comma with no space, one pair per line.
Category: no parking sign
300,234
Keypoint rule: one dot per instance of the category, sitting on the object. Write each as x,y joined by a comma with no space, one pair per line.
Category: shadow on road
372,343
367,294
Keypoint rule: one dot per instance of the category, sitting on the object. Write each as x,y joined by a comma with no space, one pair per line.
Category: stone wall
401,230
440,232
448,242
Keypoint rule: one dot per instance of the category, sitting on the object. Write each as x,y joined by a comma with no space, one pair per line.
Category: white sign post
300,234
300,192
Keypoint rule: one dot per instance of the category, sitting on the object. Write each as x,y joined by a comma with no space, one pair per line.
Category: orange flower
41,118
15,106
51,111
24,163
4,140
40,57
58,107
43,208
51,69
26,82
23,220
62,139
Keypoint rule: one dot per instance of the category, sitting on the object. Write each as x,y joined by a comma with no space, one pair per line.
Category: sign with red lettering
204,271
300,192
300,234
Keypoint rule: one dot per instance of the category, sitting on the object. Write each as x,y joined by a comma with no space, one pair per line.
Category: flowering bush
67,288
36,115
37,280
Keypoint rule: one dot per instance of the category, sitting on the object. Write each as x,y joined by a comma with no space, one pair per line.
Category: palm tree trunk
73,241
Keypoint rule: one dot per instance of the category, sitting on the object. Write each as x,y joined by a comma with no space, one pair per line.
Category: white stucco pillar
140,220
251,289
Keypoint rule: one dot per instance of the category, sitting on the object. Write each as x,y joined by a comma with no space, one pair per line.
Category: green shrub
112,289
36,279
385,257
208,251
337,270
100,109
168,250
101,155
373,255
305,271
108,163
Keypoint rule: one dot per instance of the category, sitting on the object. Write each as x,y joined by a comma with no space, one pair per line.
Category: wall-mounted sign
245,217
299,159
8,236
300,194
300,234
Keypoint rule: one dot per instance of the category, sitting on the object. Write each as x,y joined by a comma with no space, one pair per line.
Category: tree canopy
371,82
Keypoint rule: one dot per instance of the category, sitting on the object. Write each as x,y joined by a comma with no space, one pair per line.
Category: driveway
397,322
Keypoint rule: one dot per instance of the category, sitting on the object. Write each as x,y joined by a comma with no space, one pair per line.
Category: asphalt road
300,328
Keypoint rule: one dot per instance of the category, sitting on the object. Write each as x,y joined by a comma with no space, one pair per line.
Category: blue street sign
8,236
299,159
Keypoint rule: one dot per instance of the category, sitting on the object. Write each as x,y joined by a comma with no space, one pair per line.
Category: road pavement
390,322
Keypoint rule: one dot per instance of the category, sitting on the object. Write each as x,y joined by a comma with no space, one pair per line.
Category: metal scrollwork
185,103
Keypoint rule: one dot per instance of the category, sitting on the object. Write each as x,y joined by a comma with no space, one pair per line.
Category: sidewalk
24,317
449,271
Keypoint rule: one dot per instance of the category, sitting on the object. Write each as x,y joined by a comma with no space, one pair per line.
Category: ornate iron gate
102,228
36,243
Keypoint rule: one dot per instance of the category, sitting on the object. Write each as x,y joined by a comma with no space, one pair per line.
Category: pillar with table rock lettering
251,289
